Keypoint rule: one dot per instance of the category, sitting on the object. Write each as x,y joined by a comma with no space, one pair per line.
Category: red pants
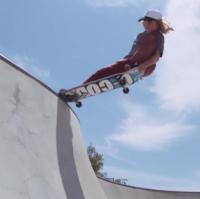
118,67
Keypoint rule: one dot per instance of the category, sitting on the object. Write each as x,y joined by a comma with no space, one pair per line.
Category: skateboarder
146,50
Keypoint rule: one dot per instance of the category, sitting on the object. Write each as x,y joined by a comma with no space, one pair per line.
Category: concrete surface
114,191
41,147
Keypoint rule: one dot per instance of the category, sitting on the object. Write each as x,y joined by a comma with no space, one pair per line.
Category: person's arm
143,66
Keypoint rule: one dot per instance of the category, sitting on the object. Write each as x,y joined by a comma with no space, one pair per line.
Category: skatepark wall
117,191
41,148
42,152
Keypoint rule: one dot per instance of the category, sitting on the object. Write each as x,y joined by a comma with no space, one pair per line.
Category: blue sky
151,137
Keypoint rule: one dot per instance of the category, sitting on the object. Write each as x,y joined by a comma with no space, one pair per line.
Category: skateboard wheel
126,90
78,104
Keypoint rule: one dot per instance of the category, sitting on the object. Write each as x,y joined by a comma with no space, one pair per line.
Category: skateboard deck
120,80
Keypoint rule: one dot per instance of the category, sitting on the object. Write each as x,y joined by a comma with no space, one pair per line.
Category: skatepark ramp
41,147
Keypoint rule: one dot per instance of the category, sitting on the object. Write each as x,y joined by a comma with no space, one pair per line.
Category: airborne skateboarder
146,50
140,62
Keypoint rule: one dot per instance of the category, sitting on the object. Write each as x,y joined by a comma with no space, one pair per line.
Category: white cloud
29,65
143,130
178,76
114,152
176,85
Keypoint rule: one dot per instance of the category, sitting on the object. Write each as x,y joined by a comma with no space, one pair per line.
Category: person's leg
115,68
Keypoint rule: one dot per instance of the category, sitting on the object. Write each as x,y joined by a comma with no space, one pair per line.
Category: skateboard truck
123,83
70,98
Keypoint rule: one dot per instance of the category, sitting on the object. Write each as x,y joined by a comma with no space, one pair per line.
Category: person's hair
165,26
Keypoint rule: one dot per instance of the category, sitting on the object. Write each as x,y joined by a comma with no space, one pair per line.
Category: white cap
152,14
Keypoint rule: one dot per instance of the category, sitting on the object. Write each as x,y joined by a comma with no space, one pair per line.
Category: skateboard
119,80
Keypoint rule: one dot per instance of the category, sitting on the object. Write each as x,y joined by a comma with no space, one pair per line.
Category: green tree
96,160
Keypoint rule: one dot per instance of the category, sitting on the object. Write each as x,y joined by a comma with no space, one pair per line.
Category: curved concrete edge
117,191
41,146
20,70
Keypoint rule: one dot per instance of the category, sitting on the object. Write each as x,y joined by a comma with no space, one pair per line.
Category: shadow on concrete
64,134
